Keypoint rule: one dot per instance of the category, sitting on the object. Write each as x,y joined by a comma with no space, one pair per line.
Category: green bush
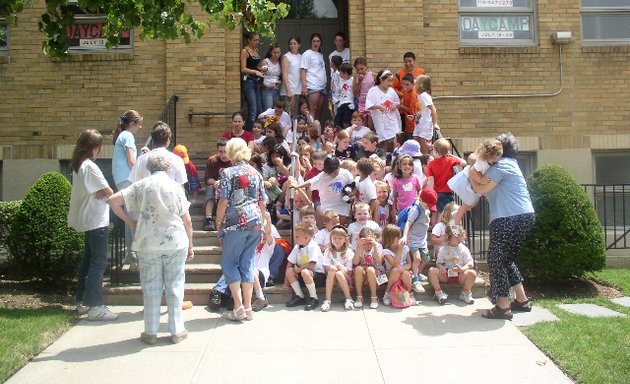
7,212
41,244
567,239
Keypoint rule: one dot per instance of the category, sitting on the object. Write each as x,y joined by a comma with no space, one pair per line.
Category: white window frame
588,11
4,51
99,43
496,9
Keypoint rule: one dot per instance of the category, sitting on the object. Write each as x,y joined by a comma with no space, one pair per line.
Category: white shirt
293,75
284,119
345,55
263,257
344,92
333,257
387,124
458,255
355,228
366,190
322,238
272,76
424,127
315,67
330,191
301,256
403,259
177,171
86,212
356,135
438,230
159,203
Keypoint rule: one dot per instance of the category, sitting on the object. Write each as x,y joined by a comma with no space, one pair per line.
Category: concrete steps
199,293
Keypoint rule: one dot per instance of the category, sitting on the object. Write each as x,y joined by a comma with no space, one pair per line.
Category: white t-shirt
322,238
293,75
315,67
458,255
86,212
263,257
389,252
356,135
272,76
366,190
284,120
301,256
355,228
159,203
345,55
387,124
333,257
424,127
177,171
330,191
344,92
438,230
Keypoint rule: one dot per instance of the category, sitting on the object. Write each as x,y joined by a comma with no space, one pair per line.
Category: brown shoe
259,304
517,306
498,313
179,338
149,339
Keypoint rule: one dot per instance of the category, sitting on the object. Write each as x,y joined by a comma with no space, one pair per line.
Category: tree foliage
567,239
164,19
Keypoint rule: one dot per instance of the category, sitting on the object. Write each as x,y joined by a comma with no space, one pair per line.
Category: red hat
429,196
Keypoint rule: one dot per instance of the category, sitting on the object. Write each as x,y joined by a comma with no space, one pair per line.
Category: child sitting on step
338,264
304,265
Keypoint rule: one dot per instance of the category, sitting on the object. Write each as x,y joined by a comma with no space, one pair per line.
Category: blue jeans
239,248
269,96
277,258
90,278
253,96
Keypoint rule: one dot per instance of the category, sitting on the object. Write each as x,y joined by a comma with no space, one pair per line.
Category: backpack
399,295
404,214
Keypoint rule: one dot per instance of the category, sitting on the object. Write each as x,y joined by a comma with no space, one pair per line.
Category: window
86,35
311,9
4,37
605,22
610,167
493,23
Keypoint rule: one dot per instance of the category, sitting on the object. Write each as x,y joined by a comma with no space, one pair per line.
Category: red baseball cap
429,196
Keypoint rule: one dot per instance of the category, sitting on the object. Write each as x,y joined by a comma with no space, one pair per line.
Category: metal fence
611,202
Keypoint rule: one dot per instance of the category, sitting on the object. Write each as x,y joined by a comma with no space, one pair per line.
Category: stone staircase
205,269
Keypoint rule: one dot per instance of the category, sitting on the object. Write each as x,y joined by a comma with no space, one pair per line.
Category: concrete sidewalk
426,343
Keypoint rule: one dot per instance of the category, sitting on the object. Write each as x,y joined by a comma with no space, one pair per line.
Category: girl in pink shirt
362,82
406,183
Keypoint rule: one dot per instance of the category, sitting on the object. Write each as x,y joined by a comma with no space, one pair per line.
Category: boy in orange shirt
408,104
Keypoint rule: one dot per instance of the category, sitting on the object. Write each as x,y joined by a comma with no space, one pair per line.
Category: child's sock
414,279
297,289
311,290
259,293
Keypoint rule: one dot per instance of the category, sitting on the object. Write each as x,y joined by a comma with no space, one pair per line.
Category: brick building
493,63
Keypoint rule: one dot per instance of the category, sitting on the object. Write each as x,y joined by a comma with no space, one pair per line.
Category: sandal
520,307
498,313
358,303
236,314
373,302
249,315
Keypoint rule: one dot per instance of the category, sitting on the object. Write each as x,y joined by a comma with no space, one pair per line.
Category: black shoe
215,298
208,224
311,304
269,284
295,301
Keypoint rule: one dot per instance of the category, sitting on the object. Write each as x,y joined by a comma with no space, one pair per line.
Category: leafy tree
567,239
166,19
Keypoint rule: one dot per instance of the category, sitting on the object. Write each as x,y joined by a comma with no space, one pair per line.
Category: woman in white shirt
313,76
271,80
290,68
382,102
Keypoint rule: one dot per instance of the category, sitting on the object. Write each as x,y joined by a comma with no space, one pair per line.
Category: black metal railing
611,203
116,247
169,116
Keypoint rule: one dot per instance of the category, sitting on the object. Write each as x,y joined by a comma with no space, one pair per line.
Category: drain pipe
559,38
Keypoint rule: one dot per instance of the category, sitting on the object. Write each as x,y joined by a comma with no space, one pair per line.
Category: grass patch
590,350
26,332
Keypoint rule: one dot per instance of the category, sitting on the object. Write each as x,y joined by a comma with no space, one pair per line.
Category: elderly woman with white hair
239,224
163,243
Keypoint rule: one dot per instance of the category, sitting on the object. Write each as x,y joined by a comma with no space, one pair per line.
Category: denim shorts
210,193
424,252
239,248
322,91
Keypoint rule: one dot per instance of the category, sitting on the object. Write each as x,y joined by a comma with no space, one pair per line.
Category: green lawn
26,332
590,350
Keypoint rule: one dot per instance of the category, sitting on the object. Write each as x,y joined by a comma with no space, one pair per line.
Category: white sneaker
422,277
349,305
466,297
325,306
417,287
440,297
101,313
386,299
412,299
